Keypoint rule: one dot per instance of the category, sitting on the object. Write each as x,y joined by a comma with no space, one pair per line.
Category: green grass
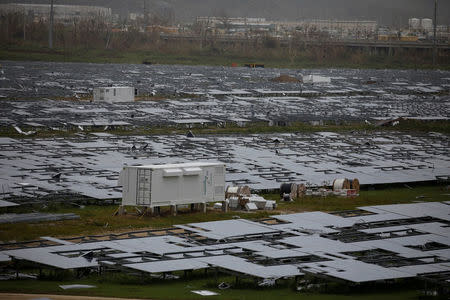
410,126
98,219
207,56
381,196
181,289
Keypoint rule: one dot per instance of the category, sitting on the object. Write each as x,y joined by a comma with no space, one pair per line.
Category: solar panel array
378,243
215,95
196,95
89,165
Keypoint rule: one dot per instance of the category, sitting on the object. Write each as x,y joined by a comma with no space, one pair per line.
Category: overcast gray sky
386,12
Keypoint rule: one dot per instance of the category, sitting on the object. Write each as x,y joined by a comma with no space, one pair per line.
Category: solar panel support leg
224,206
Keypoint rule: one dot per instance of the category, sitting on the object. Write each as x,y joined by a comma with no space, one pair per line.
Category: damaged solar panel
262,251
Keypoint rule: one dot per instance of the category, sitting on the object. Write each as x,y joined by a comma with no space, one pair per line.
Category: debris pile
241,198
291,191
342,187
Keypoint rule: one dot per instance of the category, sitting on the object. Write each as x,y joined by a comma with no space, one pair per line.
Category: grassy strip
204,57
394,195
409,126
181,289
96,219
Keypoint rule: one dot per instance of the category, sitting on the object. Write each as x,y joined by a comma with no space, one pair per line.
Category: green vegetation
124,287
379,196
410,126
98,219
189,55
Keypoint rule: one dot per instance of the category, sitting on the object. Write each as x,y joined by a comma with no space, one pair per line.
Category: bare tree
224,18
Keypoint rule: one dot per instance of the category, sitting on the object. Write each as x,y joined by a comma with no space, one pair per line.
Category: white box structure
173,184
114,94
316,79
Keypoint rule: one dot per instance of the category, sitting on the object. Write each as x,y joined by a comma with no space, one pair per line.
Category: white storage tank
427,24
173,184
114,94
414,23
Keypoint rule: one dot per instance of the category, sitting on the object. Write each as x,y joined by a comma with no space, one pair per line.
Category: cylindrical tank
355,184
289,188
414,23
426,24
340,184
301,190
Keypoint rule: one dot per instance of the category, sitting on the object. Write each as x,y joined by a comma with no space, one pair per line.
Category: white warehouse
173,184
114,94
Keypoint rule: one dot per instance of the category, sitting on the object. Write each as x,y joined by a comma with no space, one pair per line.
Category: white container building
114,94
173,184
316,79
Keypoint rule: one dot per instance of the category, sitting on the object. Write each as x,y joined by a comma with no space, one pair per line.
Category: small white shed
114,94
173,184
316,79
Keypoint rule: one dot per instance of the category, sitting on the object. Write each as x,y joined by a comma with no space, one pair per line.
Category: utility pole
145,15
50,31
434,33
24,25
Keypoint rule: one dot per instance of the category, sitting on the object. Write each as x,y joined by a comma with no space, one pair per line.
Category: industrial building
236,25
173,184
417,24
341,28
61,12
336,28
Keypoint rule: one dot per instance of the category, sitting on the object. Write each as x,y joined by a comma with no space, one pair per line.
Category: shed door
208,188
144,187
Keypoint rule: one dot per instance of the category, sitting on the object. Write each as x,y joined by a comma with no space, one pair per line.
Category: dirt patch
285,78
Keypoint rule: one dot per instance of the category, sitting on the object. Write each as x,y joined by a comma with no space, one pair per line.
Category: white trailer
173,184
114,94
